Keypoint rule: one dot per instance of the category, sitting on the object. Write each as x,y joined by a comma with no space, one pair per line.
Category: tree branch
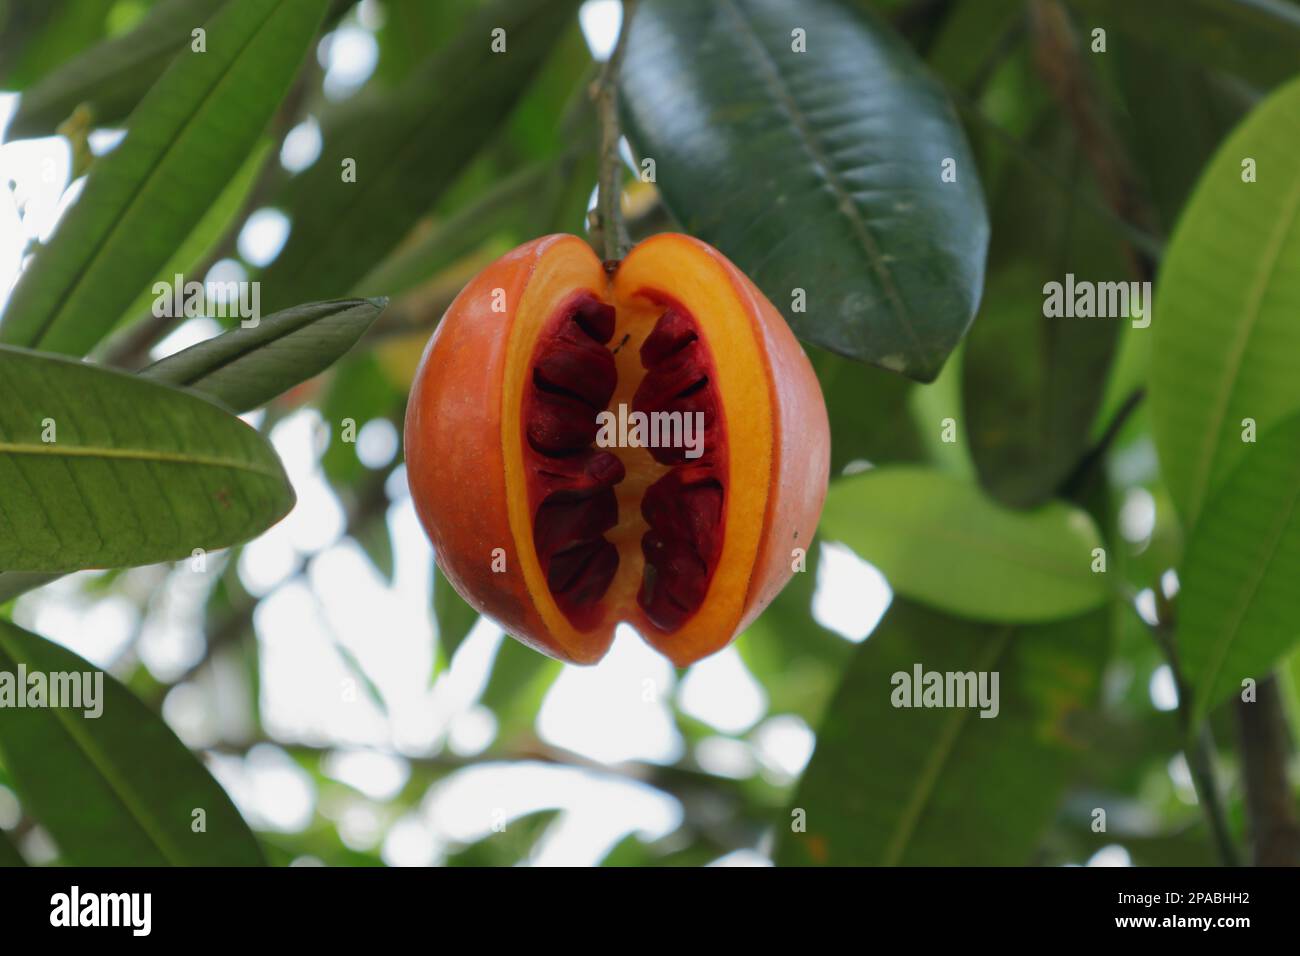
1199,746
1265,751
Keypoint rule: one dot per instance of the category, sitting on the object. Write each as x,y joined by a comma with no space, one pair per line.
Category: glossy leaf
943,786
408,145
184,142
1225,329
112,76
247,367
136,473
940,541
116,789
818,171
1239,603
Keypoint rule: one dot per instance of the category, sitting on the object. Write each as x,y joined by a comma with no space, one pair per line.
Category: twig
1199,746
604,93
1094,455
1265,750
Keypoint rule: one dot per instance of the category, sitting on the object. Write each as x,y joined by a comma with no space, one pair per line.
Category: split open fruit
648,446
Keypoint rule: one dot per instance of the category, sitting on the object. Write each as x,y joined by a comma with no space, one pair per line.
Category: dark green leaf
944,786
408,145
137,472
112,76
184,142
117,789
9,855
1031,384
868,413
1256,39
1178,114
818,171
247,367
38,36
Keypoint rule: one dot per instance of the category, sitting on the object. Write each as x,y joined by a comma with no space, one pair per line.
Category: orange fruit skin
456,464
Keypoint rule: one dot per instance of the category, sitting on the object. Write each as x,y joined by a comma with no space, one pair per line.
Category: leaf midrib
844,202
57,310
1237,353
56,450
933,769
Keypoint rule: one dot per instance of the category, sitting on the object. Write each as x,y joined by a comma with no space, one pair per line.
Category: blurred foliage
992,484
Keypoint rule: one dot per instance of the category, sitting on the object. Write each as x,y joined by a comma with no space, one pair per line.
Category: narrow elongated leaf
116,788
103,469
406,146
944,785
1226,335
192,258
184,142
455,617
38,36
112,76
818,170
1239,601
939,541
1256,39
247,367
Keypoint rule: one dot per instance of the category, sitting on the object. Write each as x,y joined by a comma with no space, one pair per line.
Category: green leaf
111,76
1031,384
939,541
1256,39
1239,604
36,36
1225,329
137,472
184,142
817,171
455,617
197,251
117,789
247,367
942,786
973,38
408,145
9,855
1178,113
868,413
519,681
508,847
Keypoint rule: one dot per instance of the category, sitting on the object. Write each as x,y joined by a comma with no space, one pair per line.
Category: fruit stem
609,228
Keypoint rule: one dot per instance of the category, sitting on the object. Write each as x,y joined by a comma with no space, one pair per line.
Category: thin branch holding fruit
610,230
